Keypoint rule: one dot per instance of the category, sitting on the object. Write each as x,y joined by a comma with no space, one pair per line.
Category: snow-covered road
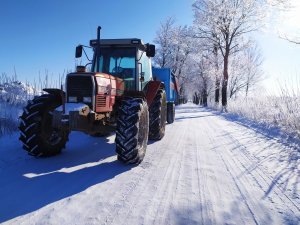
206,170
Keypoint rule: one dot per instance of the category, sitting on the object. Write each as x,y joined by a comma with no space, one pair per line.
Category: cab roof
135,42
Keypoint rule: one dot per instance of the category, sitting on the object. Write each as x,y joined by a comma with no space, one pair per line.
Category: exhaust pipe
98,47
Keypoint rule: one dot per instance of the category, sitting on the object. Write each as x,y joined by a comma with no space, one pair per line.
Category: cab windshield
119,62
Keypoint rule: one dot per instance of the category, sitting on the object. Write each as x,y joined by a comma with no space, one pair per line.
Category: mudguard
151,90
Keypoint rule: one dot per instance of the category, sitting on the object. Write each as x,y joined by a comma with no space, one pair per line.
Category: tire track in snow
279,198
253,207
218,176
204,192
182,197
235,158
157,157
240,191
263,176
246,197
169,179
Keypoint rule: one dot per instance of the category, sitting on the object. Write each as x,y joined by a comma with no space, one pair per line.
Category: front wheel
38,136
132,130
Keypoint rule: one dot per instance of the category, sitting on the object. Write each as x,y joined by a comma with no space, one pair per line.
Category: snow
208,169
13,97
15,92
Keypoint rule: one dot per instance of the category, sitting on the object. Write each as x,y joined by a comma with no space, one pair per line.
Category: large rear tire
170,112
132,130
38,136
157,116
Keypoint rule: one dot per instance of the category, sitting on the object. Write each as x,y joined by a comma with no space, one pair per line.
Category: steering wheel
117,69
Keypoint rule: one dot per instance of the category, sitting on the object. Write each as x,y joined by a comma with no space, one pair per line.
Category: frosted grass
282,111
14,96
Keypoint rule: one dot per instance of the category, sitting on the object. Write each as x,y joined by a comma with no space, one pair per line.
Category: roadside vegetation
14,95
279,112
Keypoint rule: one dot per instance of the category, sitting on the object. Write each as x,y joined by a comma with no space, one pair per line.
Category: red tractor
117,94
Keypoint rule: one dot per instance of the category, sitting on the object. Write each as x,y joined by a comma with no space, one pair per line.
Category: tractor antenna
98,48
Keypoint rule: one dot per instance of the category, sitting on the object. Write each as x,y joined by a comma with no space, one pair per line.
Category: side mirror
78,53
150,51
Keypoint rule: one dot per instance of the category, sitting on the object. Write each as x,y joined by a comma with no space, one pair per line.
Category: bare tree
224,23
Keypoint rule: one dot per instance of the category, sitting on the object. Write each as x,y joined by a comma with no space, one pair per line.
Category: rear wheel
157,116
170,112
38,136
132,130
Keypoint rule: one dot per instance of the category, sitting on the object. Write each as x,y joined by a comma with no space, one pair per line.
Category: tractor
117,93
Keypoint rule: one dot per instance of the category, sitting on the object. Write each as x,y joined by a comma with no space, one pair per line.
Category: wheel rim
54,138
50,135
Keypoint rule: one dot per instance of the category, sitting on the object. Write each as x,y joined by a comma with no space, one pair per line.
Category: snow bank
276,113
13,97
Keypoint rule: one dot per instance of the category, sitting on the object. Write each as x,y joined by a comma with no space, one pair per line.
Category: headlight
72,99
87,99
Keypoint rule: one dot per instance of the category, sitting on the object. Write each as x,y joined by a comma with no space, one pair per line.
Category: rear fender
59,94
152,89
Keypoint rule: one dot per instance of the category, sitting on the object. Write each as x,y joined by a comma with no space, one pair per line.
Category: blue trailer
168,78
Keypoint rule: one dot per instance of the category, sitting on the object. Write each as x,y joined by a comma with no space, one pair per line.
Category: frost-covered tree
246,72
164,40
174,45
201,75
225,24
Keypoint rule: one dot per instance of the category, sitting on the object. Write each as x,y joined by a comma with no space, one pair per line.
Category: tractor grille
101,101
80,86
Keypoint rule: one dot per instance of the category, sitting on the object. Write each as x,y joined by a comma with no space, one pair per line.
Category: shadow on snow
31,183
288,157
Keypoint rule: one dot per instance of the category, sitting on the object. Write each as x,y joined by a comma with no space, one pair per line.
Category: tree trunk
247,89
225,81
217,90
204,97
196,98
217,82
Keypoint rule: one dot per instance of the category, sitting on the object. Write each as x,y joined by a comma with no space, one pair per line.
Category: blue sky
39,35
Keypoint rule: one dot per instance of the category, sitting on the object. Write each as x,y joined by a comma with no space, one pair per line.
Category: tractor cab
128,59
